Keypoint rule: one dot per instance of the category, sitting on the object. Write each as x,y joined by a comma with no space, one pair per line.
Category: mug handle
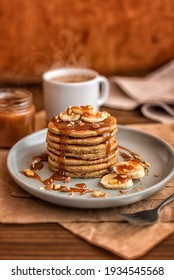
104,90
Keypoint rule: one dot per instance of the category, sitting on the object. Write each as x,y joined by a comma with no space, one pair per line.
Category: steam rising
61,53
66,54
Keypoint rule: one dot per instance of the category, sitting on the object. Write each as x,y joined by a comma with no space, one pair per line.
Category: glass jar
16,115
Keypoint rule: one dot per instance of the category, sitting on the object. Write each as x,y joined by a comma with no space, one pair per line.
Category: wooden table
51,241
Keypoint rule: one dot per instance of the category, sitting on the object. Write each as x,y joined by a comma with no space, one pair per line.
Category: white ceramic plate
155,151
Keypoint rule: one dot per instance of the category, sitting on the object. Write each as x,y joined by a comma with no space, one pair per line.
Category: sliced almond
97,193
65,189
95,125
29,173
67,179
57,186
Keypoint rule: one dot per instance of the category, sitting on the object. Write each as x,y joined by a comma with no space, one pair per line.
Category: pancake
88,141
75,161
94,174
111,143
84,168
77,130
89,156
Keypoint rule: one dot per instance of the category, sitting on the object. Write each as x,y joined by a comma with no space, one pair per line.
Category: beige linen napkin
153,93
98,226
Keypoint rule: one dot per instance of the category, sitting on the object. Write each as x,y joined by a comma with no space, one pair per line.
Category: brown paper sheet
125,240
100,226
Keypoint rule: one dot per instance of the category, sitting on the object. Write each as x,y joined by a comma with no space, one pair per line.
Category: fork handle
165,201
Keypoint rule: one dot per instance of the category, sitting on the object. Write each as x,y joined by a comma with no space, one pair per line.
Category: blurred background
114,37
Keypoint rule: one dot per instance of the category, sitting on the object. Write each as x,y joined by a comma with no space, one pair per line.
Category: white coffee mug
65,87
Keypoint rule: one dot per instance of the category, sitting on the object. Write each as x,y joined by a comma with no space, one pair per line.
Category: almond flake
35,161
28,172
69,124
71,193
123,191
41,188
56,187
80,123
125,170
67,179
105,195
123,176
95,125
65,189
99,194
96,193
49,187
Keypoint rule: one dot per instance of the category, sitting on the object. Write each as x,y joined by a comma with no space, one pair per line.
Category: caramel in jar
16,116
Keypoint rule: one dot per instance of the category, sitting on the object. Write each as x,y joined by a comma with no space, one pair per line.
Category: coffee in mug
72,78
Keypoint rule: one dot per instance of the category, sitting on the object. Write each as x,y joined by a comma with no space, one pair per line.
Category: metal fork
146,217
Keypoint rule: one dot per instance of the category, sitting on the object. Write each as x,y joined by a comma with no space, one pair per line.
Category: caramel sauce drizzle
37,166
66,130
80,188
121,179
130,152
35,176
37,163
135,158
128,168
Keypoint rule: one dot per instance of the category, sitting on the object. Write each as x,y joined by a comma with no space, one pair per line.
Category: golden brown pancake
88,141
88,156
82,131
84,175
76,161
84,168
103,147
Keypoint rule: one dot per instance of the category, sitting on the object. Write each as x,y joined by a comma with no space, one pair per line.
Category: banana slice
115,181
82,109
94,117
86,113
131,168
64,116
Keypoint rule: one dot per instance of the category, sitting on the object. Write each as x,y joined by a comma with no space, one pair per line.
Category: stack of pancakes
81,142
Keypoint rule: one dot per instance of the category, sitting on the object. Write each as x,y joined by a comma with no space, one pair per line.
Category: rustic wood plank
51,241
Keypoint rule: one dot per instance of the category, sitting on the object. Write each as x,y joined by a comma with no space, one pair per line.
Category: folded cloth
158,112
153,93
